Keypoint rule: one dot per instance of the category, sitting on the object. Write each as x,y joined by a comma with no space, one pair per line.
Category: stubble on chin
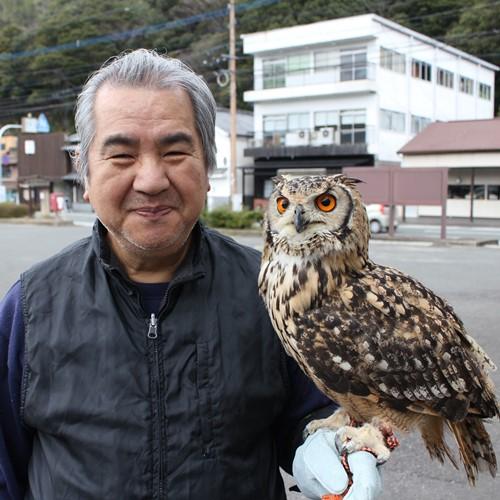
149,247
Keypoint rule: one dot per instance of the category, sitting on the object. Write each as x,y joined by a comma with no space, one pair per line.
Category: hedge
8,210
226,218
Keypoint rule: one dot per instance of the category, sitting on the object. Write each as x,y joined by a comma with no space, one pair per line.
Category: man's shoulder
69,257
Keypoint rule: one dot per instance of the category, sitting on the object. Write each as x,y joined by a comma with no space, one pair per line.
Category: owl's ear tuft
353,180
348,181
277,180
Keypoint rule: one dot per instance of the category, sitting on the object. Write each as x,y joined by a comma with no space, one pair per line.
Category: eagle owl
371,338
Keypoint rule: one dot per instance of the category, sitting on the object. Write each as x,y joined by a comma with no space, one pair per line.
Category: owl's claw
391,441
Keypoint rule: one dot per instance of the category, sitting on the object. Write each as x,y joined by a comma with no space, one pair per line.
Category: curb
259,233
36,222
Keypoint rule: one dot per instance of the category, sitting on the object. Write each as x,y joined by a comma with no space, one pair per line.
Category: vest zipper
153,336
153,327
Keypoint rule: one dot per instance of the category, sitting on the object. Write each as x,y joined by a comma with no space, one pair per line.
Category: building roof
456,137
244,121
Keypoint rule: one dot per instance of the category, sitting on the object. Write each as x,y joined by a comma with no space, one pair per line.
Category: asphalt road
468,277
406,230
452,232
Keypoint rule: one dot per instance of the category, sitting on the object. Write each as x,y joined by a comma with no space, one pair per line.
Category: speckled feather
372,338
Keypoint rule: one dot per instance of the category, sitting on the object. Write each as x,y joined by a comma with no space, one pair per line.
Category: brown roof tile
456,137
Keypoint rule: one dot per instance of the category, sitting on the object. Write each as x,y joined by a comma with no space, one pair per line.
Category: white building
353,91
220,180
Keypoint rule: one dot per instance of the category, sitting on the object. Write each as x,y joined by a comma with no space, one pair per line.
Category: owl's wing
386,336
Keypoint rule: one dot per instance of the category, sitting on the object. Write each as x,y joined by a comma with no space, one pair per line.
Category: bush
8,210
224,217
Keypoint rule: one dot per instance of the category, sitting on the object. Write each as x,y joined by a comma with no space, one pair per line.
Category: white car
378,216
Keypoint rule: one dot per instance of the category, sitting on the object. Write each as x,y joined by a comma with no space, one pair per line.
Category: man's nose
151,176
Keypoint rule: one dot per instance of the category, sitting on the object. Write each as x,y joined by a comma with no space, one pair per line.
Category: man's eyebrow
175,138
118,140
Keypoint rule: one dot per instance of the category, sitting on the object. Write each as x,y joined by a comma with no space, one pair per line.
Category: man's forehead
122,97
131,111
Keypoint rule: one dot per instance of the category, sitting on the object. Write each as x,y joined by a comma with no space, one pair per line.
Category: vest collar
192,267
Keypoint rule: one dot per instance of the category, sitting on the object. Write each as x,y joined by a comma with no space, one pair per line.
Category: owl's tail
432,430
474,445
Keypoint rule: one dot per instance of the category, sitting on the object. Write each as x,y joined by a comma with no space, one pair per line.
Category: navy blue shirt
16,439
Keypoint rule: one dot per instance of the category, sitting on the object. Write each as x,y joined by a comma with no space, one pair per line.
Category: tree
478,32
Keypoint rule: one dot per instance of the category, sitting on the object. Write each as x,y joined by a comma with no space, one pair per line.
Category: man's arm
15,438
317,466
306,403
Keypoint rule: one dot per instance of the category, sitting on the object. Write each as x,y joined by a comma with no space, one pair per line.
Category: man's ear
86,196
209,187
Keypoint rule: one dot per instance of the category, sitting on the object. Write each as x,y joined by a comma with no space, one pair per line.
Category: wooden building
42,164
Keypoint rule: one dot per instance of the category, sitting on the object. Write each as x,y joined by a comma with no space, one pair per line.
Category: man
140,361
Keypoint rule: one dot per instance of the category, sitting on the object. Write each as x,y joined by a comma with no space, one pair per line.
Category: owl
387,349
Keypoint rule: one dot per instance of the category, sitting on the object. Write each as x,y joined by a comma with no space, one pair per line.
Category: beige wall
455,160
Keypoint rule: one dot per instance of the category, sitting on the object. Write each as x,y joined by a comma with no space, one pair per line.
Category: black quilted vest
183,414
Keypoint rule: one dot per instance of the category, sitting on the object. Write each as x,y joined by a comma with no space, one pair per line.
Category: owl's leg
338,419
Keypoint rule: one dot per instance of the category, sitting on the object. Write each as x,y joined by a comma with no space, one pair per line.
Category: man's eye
174,153
121,156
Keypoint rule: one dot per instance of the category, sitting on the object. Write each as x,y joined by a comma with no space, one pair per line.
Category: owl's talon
392,442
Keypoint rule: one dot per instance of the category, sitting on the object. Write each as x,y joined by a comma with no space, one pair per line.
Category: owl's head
317,215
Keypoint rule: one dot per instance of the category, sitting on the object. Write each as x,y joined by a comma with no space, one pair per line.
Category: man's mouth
152,212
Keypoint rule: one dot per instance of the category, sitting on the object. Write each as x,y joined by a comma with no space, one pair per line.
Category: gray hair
145,68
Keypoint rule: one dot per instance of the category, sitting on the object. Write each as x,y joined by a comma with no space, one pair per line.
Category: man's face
147,176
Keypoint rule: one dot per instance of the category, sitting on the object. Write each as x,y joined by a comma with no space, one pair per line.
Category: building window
324,61
274,129
392,60
463,192
418,123
458,192
421,70
298,64
484,91
466,85
392,120
493,192
326,119
352,127
274,73
353,66
444,78
298,121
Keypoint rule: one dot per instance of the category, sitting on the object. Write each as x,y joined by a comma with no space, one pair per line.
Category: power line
143,31
216,13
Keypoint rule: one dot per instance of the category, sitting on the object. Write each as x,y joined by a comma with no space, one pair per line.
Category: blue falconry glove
318,470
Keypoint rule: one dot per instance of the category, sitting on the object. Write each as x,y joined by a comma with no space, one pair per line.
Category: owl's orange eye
282,204
326,202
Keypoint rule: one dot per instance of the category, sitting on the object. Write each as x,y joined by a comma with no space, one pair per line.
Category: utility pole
232,103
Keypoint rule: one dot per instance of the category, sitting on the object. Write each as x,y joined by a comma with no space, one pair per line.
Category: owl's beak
298,219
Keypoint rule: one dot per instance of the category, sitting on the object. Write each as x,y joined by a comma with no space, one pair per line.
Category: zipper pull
153,328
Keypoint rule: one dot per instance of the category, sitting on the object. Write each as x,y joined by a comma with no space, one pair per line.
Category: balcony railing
316,76
321,136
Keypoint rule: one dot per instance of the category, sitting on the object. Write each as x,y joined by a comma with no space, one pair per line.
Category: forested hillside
48,47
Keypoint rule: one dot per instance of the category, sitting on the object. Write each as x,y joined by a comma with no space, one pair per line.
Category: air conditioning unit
325,135
297,138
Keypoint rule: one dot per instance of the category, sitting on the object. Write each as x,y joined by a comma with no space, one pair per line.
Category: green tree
478,32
